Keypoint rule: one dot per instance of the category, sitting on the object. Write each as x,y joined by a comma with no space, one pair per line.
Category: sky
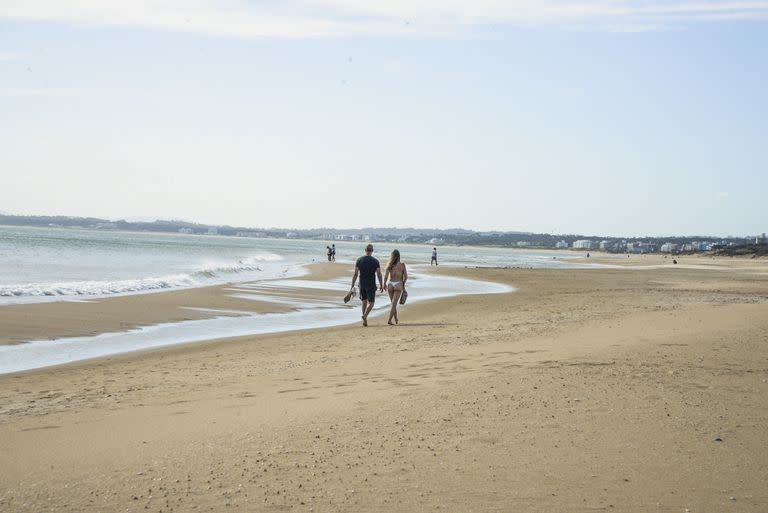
606,117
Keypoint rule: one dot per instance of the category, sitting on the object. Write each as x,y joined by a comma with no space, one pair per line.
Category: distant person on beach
333,252
397,276
328,249
434,257
368,269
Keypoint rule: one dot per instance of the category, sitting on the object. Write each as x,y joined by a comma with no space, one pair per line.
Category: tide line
45,353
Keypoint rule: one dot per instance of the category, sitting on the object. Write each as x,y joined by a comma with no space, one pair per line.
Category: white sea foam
207,275
252,263
97,288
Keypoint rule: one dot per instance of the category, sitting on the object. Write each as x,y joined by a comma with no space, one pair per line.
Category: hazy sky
616,117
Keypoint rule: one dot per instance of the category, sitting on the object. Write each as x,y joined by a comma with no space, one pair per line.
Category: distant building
760,239
668,247
583,244
186,230
523,244
641,247
561,245
292,235
701,245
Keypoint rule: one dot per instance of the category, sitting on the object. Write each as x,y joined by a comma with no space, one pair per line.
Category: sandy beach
641,388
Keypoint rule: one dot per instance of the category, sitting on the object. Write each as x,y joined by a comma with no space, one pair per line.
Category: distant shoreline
436,237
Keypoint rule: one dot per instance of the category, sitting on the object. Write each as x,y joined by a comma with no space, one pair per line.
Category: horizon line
151,219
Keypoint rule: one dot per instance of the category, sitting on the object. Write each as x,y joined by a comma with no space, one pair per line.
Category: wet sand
91,316
636,389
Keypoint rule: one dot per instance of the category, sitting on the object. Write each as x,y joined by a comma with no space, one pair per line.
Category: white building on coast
640,247
668,247
583,244
702,245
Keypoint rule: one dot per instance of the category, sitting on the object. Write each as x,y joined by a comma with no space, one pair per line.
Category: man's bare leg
368,308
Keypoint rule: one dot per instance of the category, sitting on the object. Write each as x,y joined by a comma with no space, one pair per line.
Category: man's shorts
368,293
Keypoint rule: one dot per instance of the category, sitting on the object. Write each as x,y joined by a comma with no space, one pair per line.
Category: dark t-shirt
367,265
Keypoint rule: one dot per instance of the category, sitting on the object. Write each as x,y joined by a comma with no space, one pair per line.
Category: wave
96,288
249,264
108,287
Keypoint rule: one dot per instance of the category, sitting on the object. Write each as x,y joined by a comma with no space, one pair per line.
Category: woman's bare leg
395,298
391,292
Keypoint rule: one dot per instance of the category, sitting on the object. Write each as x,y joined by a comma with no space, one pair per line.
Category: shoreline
126,324
68,291
64,317
147,316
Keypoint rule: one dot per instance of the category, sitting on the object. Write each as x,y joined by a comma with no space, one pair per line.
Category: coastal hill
453,236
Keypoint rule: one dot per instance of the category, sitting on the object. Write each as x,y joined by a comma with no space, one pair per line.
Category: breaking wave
245,265
96,288
197,278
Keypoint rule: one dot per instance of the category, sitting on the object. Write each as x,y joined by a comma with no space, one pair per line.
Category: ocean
44,264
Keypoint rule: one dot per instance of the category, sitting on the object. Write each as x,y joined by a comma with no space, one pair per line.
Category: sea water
43,264
50,264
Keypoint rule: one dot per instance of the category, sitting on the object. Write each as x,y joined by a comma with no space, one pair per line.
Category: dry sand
637,389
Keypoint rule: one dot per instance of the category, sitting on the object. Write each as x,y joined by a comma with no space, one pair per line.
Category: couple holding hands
368,269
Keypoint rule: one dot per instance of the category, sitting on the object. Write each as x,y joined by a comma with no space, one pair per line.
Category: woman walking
397,276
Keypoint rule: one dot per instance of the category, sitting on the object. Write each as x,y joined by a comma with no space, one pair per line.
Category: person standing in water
333,252
397,276
368,268
434,257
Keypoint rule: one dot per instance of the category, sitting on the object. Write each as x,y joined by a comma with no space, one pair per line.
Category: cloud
336,18
236,18
41,92
7,56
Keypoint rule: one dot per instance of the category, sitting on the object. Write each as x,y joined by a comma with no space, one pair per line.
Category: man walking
434,257
368,269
